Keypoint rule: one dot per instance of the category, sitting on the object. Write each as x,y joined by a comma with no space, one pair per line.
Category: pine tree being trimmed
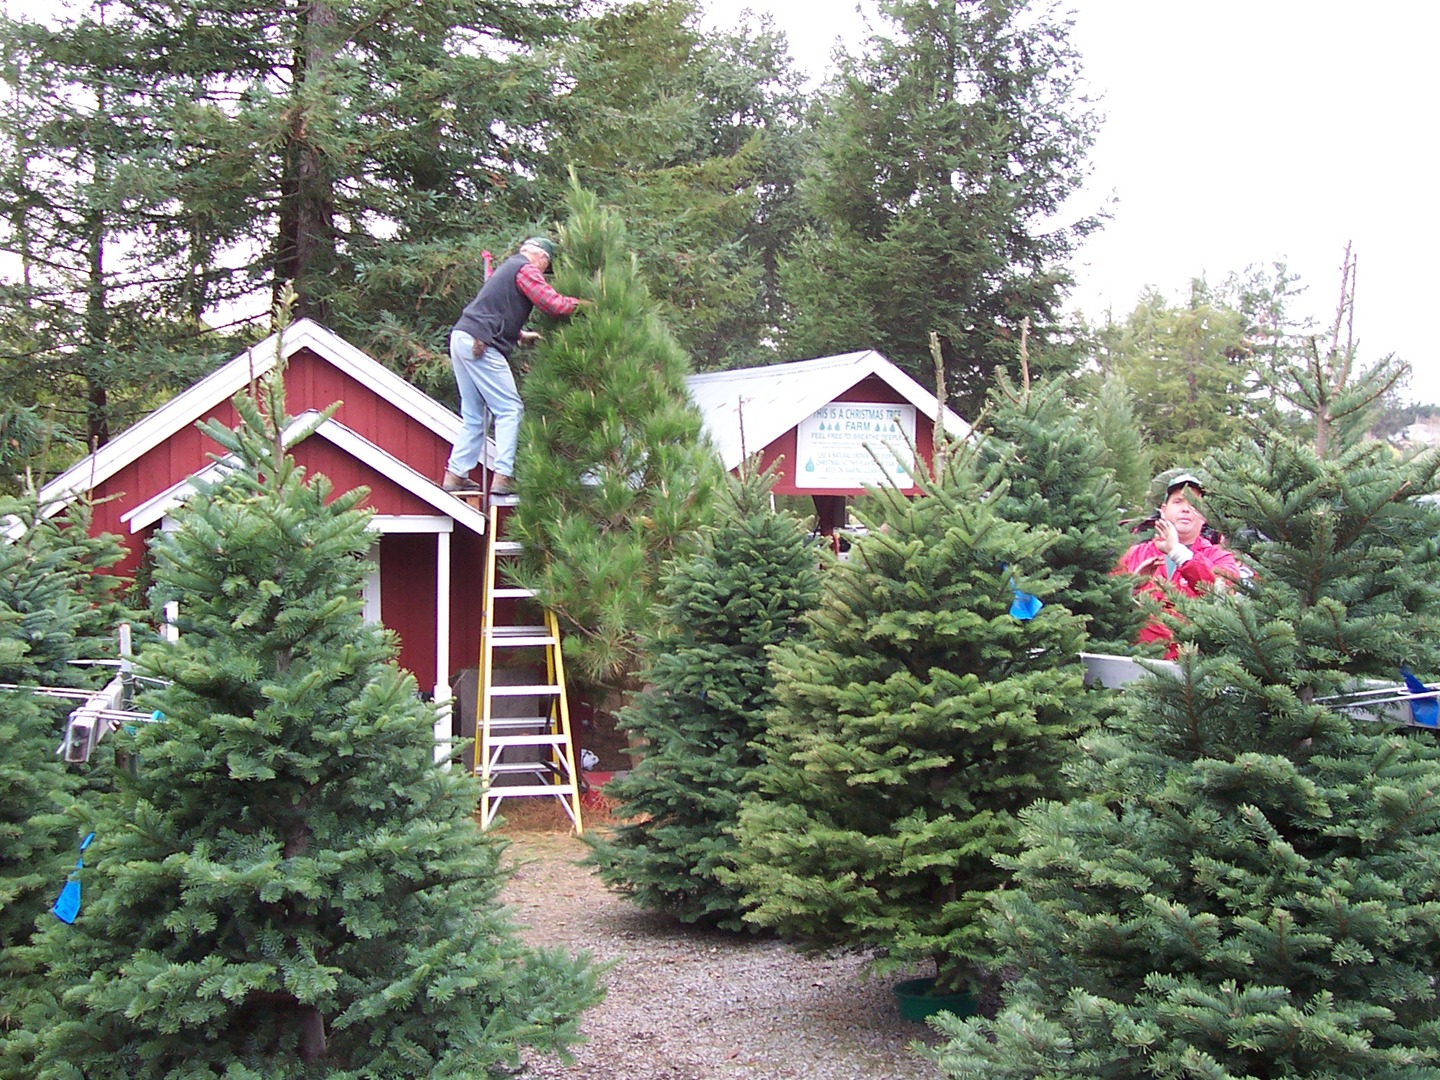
613,467
1250,885
290,886
723,607
912,724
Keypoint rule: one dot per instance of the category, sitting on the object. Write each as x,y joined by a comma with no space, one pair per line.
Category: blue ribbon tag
1425,710
67,905
1024,607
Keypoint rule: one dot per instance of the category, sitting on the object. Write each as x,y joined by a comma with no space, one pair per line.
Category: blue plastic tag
1425,710
67,904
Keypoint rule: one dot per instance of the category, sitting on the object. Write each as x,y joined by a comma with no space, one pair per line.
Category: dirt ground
694,1004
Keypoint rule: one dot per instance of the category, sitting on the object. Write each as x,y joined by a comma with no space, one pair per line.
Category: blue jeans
485,382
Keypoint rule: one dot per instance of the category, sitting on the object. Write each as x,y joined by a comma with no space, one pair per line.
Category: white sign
850,443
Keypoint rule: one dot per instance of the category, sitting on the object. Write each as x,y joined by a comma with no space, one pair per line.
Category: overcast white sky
1240,132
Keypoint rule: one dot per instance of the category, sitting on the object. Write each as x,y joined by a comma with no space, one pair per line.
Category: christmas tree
722,607
289,885
1250,884
1055,467
57,601
930,703
612,464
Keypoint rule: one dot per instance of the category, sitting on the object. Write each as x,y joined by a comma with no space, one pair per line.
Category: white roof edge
362,449
226,381
705,389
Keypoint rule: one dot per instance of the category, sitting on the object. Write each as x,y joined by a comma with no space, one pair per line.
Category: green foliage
56,607
911,725
743,590
1202,373
1249,885
692,139
614,471
172,160
1127,453
942,151
1057,479
290,885
1341,400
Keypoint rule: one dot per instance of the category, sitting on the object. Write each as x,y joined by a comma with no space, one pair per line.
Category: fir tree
1057,478
612,466
1251,885
744,590
916,720
290,886
57,603
1112,414
942,151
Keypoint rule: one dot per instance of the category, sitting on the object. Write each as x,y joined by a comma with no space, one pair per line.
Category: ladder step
543,739
521,637
513,594
538,768
508,547
505,791
519,723
524,691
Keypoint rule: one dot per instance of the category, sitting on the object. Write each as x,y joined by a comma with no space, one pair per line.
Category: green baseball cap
543,244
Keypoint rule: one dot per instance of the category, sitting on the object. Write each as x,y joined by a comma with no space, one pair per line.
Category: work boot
459,485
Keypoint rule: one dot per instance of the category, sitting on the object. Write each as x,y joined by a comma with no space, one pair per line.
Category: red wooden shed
386,435
835,424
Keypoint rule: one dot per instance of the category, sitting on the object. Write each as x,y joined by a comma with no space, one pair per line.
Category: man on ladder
480,346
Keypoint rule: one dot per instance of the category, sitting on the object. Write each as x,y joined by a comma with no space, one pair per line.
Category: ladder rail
549,734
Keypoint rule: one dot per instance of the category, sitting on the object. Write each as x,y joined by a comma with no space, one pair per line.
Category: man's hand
1165,536
1148,567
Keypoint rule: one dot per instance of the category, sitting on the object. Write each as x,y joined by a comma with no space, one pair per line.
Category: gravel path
694,1004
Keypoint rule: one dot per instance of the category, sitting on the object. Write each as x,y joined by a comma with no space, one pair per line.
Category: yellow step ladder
521,756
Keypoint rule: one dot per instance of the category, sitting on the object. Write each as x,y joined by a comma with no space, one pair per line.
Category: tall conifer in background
290,885
175,161
695,139
613,468
943,151
721,609
1127,454
1249,885
923,710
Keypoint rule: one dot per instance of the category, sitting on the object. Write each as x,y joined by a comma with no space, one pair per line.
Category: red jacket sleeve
530,281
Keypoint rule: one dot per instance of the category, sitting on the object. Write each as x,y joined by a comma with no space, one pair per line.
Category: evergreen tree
176,159
1250,884
942,153
1057,478
290,885
56,606
924,710
691,138
1127,453
613,468
722,608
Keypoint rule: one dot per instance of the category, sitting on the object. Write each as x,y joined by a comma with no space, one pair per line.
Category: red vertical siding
407,600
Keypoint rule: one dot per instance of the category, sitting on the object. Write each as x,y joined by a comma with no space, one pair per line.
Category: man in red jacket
1178,558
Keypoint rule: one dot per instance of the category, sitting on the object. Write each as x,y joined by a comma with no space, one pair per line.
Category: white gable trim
746,410
448,507
228,380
